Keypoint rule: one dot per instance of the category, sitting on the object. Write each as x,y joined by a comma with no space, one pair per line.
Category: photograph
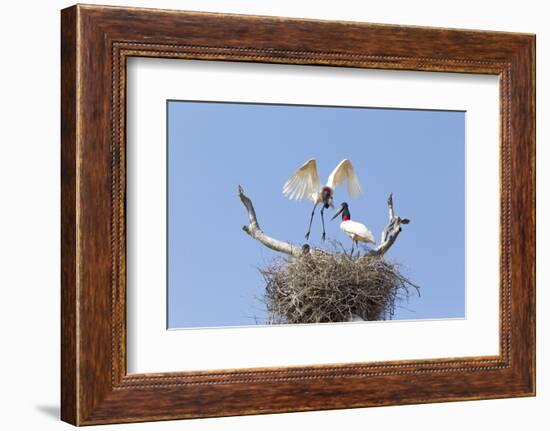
290,214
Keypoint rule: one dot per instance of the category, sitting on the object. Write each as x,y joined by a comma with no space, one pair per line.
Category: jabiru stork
305,184
358,232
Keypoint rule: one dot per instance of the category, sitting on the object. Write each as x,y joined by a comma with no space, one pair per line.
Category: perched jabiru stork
305,184
358,232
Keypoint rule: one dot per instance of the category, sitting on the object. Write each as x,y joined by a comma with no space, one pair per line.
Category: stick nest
332,287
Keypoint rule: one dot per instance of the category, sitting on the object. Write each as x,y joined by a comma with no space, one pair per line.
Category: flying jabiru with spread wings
305,184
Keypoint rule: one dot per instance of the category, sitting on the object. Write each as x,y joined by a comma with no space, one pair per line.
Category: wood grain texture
96,41
69,398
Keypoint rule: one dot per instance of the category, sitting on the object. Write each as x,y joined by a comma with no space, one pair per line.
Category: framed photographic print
266,215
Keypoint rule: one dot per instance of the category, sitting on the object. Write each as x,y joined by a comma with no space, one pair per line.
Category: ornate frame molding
96,41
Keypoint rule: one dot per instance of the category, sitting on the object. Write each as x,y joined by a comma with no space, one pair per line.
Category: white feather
344,172
357,231
304,183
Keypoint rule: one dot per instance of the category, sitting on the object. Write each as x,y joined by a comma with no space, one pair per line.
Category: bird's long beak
338,213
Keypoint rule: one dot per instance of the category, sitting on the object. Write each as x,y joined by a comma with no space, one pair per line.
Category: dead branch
388,236
390,232
253,229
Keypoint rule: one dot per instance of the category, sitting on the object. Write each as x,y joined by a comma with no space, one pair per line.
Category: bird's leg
323,221
352,246
310,221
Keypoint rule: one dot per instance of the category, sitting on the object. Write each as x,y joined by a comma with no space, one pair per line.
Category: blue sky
418,155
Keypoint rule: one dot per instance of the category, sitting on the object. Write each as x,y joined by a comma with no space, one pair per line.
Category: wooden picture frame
95,43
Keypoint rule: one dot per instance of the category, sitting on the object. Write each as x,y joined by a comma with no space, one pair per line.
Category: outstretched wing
344,172
304,182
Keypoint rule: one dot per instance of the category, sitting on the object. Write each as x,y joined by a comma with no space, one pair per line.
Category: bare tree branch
253,229
390,232
388,236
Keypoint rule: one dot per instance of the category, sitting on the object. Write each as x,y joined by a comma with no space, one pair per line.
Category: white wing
344,172
357,231
304,182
